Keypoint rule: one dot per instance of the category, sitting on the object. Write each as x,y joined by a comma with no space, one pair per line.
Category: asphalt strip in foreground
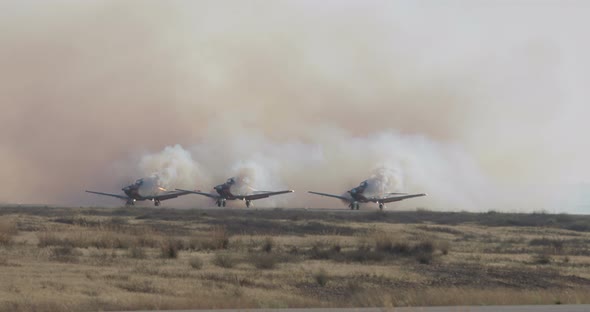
518,308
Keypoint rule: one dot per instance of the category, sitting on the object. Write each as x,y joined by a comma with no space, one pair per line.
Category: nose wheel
221,203
156,202
130,202
248,203
381,206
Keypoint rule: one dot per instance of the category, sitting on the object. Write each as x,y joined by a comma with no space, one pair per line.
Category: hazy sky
481,104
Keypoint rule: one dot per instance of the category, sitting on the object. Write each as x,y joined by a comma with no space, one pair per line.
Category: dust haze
482,105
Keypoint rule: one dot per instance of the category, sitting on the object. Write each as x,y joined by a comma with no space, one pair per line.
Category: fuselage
358,193
224,190
133,190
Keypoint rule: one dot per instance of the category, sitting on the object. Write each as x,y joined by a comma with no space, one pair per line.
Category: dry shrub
265,261
382,246
196,263
137,253
322,250
321,277
8,230
424,257
219,237
48,239
336,248
71,239
169,250
149,240
320,253
424,246
224,260
268,244
65,254
541,258
101,257
216,239
556,245
139,286
363,254
444,246
97,239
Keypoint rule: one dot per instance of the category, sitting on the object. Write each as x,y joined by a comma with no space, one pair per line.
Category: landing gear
130,202
354,205
248,203
221,203
381,206
156,202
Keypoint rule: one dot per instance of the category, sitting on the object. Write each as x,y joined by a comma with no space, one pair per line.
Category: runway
518,308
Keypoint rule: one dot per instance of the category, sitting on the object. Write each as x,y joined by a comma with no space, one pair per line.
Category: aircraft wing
398,198
259,195
123,197
169,195
199,193
331,195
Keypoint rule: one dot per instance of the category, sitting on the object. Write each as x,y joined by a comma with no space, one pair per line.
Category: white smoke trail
391,162
174,167
385,179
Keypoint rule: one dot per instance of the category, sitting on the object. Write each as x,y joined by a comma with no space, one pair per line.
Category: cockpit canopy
230,181
364,184
139,182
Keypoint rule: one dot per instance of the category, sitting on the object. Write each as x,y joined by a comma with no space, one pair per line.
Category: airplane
144,189
224,193
357,196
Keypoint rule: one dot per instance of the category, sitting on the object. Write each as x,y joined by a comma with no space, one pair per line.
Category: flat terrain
72,259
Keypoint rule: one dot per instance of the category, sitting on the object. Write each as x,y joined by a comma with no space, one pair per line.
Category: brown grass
265,261
196,263
225,260
173,259
8,230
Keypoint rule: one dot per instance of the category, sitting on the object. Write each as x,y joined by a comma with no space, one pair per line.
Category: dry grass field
76,259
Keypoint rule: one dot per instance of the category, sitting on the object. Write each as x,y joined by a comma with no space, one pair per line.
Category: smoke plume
174,167
482,105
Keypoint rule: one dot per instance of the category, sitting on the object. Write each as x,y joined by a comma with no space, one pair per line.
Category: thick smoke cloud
482,105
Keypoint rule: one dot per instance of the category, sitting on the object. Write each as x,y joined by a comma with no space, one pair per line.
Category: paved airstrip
520,308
